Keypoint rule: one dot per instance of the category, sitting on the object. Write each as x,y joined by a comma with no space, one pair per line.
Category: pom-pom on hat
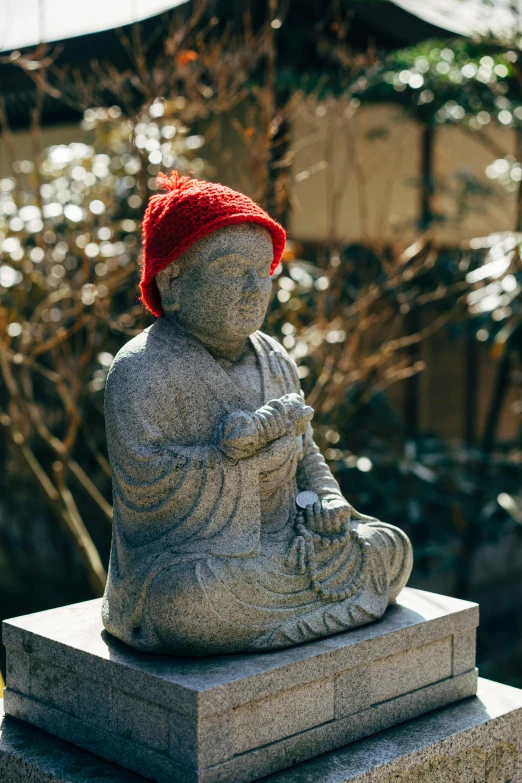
188,211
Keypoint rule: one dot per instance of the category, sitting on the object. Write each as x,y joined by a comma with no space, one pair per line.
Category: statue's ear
168,285
174,275
174,287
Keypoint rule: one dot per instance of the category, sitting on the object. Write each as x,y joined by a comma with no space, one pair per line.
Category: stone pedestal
478,740
236,718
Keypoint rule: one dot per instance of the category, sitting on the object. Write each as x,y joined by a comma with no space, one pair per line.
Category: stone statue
230,532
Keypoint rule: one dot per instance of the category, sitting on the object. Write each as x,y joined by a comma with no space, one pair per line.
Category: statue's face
220,287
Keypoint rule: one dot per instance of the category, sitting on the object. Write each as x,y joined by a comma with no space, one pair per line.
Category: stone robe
200,542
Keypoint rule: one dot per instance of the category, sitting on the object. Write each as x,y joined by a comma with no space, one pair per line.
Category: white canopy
30,22
500,19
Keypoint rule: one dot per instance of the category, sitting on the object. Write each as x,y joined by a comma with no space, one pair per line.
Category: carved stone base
233,719
475,741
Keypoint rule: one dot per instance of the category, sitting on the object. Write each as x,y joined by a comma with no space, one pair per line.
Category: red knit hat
190,210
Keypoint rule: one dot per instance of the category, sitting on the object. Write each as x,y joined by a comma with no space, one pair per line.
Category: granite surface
210,444
478,740
73,639
237,717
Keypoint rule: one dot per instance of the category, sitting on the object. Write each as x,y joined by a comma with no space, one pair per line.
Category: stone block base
236,718
478,740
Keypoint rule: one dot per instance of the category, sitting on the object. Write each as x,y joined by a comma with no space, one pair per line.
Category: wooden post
414,319
426,212
471,389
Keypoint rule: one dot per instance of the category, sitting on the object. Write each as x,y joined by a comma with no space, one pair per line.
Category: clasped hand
241,434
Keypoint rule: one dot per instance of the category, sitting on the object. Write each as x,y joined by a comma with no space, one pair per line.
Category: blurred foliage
452,81
70,223
321,313
460,502
69,232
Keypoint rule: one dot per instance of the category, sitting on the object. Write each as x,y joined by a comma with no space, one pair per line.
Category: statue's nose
252,284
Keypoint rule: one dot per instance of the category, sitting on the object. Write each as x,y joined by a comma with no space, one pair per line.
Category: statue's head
209,252
220,287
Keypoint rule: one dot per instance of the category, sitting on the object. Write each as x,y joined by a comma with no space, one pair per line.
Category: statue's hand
327,515
241,434
238,435
299,412
288,415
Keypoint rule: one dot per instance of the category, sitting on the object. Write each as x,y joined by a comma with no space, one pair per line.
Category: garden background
390,146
